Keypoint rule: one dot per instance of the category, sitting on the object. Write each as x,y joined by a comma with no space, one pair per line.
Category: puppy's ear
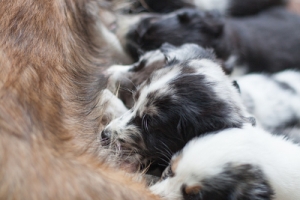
213,24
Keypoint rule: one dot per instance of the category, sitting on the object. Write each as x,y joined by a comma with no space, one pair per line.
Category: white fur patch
271,104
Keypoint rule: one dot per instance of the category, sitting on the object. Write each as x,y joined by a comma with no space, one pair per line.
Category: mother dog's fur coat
51,58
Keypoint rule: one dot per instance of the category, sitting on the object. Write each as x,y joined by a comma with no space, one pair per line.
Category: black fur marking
236,85
138,66
285,86
166,6
236,182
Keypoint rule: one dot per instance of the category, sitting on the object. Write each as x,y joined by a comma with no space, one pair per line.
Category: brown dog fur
51,62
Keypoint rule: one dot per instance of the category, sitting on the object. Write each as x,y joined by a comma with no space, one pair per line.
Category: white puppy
246,163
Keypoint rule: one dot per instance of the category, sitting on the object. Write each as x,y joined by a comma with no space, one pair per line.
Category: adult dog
189,96
52,54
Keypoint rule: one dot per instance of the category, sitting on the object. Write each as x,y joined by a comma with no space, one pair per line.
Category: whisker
168,150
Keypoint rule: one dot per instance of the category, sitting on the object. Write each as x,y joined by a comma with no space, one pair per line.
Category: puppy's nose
105,137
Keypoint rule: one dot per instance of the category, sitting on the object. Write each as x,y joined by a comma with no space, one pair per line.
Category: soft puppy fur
258,43
52,55
246,163
273,99
188,97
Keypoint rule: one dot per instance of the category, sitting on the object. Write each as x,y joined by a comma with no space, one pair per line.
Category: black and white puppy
266,42
274,100
188,97
229,7
233,164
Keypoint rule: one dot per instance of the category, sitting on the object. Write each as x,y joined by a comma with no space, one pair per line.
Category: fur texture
52,55
188,97
233,164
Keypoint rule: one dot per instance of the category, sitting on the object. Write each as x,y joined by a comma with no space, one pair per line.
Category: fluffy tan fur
52,54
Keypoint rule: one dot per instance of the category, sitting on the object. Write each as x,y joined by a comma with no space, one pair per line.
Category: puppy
273,99
186,98
258,43
52,103
246,163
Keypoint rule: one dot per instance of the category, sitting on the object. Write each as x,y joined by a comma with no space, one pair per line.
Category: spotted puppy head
184,99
